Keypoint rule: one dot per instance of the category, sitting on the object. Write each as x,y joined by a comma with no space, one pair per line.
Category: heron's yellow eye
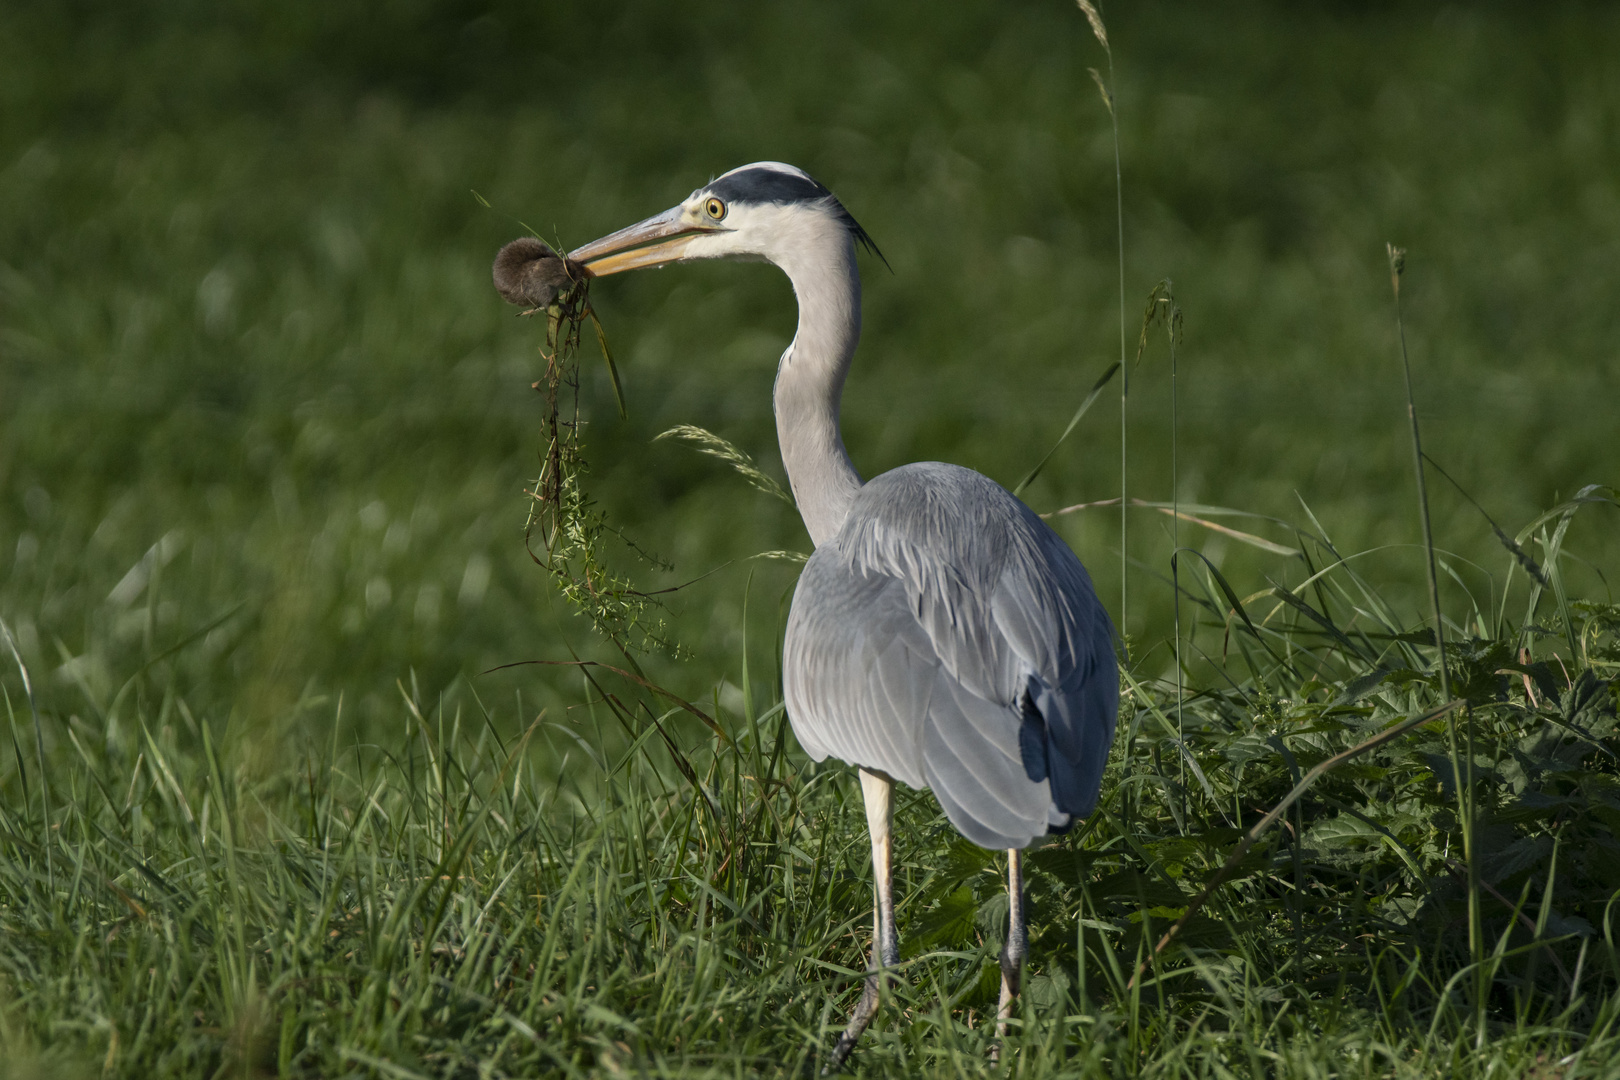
715,209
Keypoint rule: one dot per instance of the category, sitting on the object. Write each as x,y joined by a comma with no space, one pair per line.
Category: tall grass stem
1462,770
1099,29
1175,550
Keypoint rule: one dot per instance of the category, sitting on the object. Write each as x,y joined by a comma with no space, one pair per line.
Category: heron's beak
654,242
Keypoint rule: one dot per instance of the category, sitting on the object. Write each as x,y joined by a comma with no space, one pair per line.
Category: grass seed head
1094,17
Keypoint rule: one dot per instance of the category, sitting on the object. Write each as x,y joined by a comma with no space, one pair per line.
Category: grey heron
941,635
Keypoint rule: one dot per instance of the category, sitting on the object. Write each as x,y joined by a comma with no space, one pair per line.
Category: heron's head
766,210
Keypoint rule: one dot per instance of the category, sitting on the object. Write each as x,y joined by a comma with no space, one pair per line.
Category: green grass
264,429
448,905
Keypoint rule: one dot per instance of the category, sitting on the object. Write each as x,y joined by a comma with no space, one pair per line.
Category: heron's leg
1012,953
878,791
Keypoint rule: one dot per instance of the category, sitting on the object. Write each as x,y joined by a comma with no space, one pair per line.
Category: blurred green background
265,426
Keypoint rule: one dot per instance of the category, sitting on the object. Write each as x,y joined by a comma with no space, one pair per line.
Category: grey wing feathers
947,637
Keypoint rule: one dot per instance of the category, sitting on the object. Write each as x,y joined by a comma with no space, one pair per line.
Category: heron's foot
864,1011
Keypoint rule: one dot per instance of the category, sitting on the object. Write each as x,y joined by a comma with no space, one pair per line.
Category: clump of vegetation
563,519
562,515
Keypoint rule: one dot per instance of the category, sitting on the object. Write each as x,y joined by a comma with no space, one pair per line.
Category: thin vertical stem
1124,369
1462,768
1397,265
1094,16
1175,550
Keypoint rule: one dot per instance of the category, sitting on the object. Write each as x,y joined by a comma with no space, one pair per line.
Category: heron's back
948,637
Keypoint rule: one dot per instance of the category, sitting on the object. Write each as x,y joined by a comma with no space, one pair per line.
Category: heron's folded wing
1007,609
1046,611
865,683
972,759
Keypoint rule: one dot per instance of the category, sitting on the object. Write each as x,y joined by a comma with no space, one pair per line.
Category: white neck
821,264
